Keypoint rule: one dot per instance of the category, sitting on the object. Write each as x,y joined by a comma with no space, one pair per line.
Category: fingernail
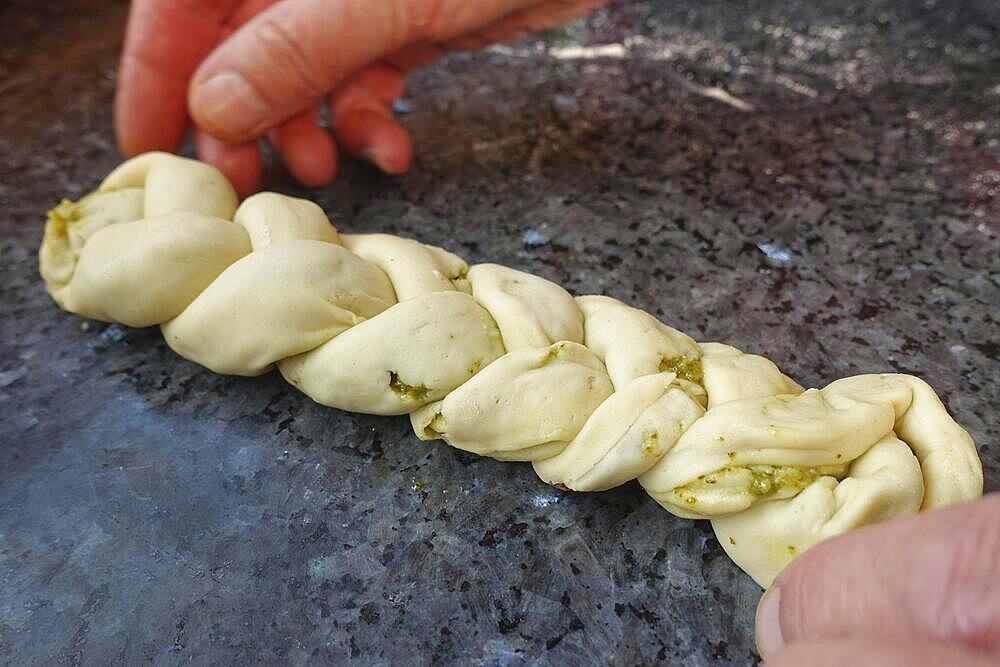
377,156
228,102
769,639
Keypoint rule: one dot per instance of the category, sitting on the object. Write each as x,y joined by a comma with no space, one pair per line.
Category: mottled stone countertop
815,181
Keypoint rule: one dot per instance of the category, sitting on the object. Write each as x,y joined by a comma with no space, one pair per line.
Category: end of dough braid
502,363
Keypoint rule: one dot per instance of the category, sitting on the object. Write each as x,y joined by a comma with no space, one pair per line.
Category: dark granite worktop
818,182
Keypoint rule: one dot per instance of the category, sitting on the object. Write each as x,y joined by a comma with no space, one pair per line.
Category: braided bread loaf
502,363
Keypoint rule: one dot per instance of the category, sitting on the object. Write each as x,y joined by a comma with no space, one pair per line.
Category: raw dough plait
502,363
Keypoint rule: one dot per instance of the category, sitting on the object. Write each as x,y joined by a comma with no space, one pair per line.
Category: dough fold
403,358
525,406
289,298
530,311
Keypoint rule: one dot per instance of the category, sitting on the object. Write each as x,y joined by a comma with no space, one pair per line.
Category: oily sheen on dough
492,360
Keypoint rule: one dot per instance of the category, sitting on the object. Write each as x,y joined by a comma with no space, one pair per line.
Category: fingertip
856,583
391,149
240,163
768,623
377,138
307,149
877,651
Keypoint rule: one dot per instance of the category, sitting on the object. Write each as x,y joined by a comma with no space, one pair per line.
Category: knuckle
423,17
297,65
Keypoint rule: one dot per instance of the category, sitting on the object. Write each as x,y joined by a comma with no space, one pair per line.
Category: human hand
923,590
243,69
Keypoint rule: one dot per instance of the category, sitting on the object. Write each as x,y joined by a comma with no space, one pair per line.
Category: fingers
297,51
363,122
164,42
376,138
365,127
307,149
934,575
529,19
240,163
881,653
281,58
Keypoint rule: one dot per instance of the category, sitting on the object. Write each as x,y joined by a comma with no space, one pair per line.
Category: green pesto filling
767,479
65,213
685,367
760,481
551,354
461,279
59,220
436,425
57,257
649,443
407,392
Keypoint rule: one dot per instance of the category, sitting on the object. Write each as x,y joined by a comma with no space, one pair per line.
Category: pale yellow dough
592,392
525,406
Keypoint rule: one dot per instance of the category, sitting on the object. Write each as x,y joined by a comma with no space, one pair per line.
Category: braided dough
502,363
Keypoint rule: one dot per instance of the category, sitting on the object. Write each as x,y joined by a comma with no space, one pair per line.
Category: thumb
881,653
929,576
295,52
